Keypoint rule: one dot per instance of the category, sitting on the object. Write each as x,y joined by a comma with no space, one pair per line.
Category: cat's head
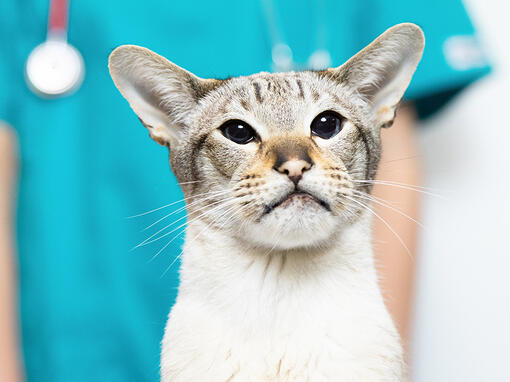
277,160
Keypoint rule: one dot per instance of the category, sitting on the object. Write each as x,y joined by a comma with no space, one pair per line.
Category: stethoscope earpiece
55,68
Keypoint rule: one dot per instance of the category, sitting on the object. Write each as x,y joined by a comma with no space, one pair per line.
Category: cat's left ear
161,93
381,72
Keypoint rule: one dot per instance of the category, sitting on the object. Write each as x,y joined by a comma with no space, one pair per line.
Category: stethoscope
281,53
55,68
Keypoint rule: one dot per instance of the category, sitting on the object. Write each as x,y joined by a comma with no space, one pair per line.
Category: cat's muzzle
293,196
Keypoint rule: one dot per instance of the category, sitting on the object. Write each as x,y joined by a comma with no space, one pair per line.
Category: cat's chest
297,348
262,359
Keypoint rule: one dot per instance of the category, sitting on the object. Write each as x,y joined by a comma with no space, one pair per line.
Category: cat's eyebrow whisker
373,199
383,221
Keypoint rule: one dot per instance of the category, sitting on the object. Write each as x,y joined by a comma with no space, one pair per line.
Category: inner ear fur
160,92
381,72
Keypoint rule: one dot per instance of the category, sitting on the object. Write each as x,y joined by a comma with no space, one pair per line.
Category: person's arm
400,162
10,360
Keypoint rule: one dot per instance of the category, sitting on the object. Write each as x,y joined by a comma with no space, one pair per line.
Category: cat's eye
327,124
238,131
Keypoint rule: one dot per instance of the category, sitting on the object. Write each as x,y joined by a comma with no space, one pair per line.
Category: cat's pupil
327,124
238,131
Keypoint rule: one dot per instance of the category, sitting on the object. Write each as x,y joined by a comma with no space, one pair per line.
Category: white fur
242,315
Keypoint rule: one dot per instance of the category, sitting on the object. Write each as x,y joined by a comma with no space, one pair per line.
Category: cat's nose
294,169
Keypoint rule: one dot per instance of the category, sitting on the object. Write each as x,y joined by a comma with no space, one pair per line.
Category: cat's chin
294,225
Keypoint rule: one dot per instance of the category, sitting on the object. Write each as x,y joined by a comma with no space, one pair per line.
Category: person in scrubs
91,309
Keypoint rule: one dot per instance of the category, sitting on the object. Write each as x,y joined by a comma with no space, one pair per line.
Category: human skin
10,360
399,163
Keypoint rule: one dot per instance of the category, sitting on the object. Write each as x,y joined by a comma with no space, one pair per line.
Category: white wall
462,314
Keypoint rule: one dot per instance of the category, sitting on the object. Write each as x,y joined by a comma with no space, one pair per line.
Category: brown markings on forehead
287,83
258,96
300,86
338,76
276,99
335,98
245,105
222,109
281,87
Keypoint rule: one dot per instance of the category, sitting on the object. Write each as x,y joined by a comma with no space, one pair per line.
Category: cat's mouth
293,196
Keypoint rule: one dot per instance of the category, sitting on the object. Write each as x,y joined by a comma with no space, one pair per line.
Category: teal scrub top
91,308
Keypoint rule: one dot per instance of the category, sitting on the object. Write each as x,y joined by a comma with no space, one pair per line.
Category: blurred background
78,304
462,308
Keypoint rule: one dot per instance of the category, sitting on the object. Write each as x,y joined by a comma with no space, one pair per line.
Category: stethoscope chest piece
54,68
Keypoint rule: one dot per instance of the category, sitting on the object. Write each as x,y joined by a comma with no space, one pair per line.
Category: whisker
191,182
400,159
168,205
383,221
208,225
372,198
400,185
274,246
180,209
148,241
394,182
154,210
167,244
186,206
184,230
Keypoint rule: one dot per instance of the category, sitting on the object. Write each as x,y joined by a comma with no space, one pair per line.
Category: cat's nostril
294,169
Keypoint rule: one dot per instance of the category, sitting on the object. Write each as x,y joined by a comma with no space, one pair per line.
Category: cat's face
256,138
277,160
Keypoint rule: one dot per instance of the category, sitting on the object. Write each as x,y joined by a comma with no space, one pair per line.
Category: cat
277,281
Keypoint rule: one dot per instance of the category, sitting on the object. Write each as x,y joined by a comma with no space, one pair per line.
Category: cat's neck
226,272
257,307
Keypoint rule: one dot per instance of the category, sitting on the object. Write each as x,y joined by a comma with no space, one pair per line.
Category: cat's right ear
160,92
381,72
